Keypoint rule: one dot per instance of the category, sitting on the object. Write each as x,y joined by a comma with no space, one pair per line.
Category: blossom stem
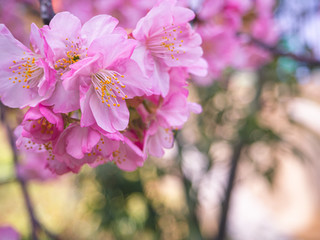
46,11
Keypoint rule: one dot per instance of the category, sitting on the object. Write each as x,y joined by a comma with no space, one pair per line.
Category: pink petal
98,26
62,100
115,48
129,156
110,119
87,118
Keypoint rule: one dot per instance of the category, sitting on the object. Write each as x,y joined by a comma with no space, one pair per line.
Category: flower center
167,43
108,87
32,146
25,71
44,126
74,52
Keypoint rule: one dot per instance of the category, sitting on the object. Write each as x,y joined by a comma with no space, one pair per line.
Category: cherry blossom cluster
226,27
95,93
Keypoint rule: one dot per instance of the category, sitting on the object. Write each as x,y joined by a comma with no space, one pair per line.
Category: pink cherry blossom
262,27
219,44
171,113
158,138
33,166
69,41
166,40
129,156
41,125
127,11
97,94
106,80
73,146
25,77
78,145
38,155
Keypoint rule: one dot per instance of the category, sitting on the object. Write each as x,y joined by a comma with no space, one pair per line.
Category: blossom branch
46,11
275,51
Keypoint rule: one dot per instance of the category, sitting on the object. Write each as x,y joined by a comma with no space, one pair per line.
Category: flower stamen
108,87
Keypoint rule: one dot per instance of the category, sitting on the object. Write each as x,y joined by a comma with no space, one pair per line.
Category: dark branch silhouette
21,181
46,11
35,224
226,202
275,51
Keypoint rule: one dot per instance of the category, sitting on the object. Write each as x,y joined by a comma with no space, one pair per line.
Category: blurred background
260,120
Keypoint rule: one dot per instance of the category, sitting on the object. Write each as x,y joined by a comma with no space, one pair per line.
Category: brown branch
275,51
35,224
192,201
23,184
238,146
226,202
46,11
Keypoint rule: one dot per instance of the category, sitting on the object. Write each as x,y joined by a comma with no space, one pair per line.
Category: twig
275,51
46,11
255,106
20,180
226,202
35,224
194,228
